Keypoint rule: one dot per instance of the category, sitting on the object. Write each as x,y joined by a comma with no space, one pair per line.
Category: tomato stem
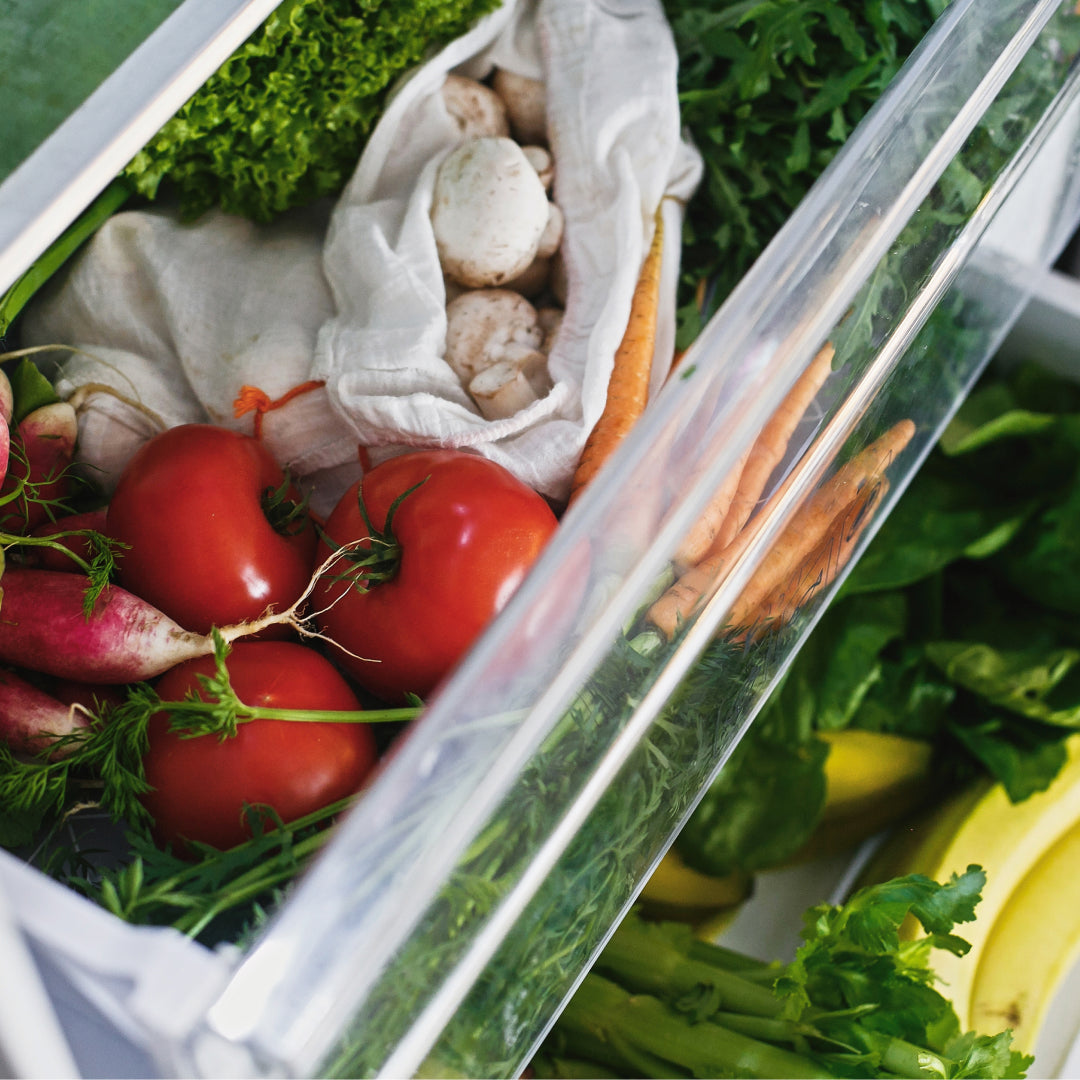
287,515
378,562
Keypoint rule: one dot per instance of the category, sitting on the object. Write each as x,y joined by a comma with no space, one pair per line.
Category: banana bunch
872,780
1026,935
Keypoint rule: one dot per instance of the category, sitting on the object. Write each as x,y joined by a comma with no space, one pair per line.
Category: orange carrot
736,498
628,386
817,570
803,533
772,443
700,540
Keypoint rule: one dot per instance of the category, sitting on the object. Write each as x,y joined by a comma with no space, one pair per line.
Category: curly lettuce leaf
284,119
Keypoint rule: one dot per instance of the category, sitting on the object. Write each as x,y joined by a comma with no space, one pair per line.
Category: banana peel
863,767
678,892
873,780
1031,947
1029,853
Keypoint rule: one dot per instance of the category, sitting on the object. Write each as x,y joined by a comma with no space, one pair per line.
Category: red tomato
202,548
465,538
200,784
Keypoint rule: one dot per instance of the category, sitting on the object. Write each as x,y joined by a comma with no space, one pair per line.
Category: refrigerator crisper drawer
471,886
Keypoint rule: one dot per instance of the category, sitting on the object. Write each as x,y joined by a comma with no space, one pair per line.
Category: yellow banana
1031,947
982,826
711,928
677,891
865,767
873,779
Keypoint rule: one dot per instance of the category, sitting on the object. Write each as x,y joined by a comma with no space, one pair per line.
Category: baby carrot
772,443
818,569
807,528
628,386
735,499
701,538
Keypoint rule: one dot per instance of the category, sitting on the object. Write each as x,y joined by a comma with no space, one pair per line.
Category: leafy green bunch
957,626
770,90
284,119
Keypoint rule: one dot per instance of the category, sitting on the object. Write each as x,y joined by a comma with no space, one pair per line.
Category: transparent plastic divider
991,292
436,890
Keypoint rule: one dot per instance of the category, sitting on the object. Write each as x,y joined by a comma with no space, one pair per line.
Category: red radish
5,447
92,696
50,558
30,719
45,440
7,407
43,628
7,399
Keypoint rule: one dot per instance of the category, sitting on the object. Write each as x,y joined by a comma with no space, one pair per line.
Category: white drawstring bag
336,315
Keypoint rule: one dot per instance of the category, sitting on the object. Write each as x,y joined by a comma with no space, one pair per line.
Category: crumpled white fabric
172,319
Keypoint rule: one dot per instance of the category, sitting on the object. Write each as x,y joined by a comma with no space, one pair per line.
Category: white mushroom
501,390
536,277
484,326
493,343
534,280
549,320
453,289
475,108
489,210
526,102
544,164
551,237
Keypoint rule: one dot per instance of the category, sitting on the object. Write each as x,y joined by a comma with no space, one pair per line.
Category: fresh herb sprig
196,892
770,93
100,568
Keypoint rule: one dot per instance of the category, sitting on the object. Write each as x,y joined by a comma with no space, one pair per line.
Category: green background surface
54,54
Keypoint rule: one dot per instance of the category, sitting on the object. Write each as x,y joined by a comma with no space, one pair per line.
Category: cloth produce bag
329,325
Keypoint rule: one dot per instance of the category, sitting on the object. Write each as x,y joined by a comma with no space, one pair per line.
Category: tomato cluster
429,547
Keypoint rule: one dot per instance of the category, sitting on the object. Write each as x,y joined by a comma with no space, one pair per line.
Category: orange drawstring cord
252,399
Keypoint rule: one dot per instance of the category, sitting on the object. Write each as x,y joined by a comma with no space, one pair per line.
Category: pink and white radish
30,719
7,406
45,445
43,628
